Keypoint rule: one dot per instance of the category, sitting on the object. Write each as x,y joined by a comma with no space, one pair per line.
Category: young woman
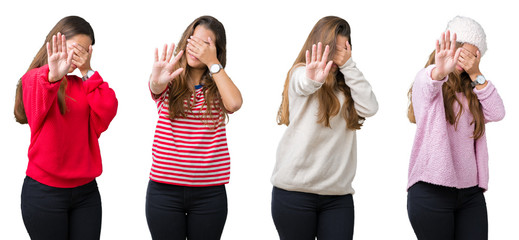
66,115
448,171
324,103
186,194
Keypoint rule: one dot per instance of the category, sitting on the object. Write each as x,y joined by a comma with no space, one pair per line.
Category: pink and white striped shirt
187,151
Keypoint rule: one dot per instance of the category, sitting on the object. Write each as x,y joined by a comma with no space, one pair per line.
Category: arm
231,96
41,85
163,71
39,95
102,101
206,53
428,82
366,103
491,103
315,71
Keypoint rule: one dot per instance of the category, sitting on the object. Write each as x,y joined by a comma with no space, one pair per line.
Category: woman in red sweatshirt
66,115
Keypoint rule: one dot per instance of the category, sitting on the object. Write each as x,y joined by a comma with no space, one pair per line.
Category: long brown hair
68,26
325,31
456,83
181,88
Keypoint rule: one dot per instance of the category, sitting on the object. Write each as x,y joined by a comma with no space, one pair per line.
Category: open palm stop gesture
317,68
58,59
163,71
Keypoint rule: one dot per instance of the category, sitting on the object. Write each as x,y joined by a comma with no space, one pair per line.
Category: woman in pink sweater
66,115
451,101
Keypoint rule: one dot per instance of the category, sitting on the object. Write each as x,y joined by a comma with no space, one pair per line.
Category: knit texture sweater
313,158
64,150
442,154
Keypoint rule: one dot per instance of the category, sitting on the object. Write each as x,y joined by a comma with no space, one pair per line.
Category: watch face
214,68
480,79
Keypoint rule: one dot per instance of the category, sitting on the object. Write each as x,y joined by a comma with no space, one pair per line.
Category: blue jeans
176,212
61,213
304,216
438,212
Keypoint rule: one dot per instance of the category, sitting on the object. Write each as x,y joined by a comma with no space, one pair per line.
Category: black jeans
176,212
438,212
304,216
61,213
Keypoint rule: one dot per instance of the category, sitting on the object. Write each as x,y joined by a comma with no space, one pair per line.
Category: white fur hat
469,31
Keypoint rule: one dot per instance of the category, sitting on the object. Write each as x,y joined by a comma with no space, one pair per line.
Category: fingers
325,55
176,73
457,55
170,52
63,43
164,50
210,41
179,55
437,46
453,43
314,49
327,68
79,49
195,42
442,42
48,50
448,40
319,51
156,54
70,56
192,50
54,45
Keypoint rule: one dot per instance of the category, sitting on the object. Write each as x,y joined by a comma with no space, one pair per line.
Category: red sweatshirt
64,150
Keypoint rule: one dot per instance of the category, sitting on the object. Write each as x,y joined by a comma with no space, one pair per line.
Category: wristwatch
214,69
480,80
88,75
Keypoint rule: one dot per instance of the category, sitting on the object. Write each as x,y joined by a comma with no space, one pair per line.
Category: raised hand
163,70
470,63
317,68
342,54
58,59
204,51
82,57
446,56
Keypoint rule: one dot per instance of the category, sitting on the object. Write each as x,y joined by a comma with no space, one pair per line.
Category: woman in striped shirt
186,194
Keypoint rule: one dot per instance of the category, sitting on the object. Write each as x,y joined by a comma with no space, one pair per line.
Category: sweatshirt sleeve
39,95
302,85
491,103
102,101
365,101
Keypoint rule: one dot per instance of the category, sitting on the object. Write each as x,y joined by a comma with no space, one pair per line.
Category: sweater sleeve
39,95
365,101
102,101
425,89
491,103
301,84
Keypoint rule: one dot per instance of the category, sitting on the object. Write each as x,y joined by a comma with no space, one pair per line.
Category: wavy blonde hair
325,31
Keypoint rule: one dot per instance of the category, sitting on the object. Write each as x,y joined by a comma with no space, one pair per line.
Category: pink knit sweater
441,154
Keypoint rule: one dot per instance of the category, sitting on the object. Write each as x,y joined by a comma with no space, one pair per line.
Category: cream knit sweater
313,158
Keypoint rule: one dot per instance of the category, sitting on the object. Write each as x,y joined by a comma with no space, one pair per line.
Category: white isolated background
391,42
